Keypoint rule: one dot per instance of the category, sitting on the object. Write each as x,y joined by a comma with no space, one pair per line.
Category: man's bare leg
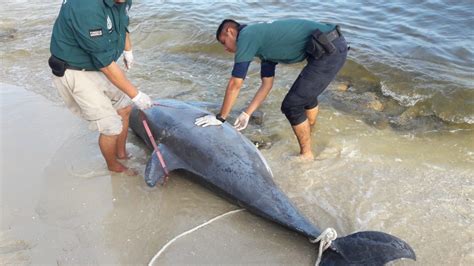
122,137
108,147
303,134
312,114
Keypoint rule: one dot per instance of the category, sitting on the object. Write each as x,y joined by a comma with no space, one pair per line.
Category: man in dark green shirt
284,41
88,38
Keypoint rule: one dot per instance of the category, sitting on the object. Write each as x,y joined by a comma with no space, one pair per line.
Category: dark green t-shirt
282,41
90,34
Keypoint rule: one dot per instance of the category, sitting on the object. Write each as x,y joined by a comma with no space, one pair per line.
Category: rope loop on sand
190,231
325,239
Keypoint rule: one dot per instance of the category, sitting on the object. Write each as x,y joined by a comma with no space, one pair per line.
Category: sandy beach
33,130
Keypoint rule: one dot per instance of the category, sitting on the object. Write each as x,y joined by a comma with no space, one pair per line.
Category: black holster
320,44
57,65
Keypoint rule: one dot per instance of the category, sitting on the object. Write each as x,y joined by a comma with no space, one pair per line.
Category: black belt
79,68
332,35
322,43
59,66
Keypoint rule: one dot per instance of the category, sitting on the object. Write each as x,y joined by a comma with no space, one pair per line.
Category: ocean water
395,152
417,54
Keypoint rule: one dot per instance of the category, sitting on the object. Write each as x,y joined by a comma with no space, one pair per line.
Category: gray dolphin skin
225,161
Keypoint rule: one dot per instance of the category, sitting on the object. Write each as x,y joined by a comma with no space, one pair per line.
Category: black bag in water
57,65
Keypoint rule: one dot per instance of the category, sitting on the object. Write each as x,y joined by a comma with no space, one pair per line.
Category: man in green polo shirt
88,38
283,41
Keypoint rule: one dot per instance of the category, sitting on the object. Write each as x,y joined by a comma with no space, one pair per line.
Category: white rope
188,232
326,239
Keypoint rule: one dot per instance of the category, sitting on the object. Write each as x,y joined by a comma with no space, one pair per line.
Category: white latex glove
242,121
207,120
128,59
142,101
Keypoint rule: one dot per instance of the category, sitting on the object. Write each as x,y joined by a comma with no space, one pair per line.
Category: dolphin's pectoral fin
366,248
154,171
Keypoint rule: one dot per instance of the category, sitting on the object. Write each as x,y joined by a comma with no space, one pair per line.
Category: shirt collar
109,3
241,27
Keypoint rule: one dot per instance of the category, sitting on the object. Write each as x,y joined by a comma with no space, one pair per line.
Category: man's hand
128,59
242,121
142,101
207,120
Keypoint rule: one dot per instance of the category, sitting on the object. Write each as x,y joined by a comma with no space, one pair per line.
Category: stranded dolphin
228,163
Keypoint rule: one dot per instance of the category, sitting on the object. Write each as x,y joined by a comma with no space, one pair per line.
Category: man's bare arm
231,93
128,42
118,78
261,95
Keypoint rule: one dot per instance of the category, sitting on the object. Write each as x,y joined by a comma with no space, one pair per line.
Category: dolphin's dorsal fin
154,172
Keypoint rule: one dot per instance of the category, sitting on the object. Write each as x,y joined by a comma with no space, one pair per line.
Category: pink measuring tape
158,153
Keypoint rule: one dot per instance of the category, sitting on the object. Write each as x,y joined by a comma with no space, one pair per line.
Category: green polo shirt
90,34
282,41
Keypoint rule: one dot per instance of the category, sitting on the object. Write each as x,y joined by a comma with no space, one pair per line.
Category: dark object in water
8,34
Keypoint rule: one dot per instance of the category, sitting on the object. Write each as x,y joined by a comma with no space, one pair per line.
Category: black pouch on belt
314,48
57,65
326,43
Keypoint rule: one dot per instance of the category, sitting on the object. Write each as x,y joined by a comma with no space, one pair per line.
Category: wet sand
61,207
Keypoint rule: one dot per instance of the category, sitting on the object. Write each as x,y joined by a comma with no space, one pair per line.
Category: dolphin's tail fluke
366,248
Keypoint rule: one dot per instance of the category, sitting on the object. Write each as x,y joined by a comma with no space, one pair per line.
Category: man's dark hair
223,24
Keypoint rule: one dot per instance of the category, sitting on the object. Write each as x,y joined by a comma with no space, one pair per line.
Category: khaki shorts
90,95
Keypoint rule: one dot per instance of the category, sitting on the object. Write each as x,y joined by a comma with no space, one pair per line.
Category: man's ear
232,32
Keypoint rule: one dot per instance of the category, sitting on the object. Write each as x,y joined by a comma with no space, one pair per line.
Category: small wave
469,120
405,100
87,174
